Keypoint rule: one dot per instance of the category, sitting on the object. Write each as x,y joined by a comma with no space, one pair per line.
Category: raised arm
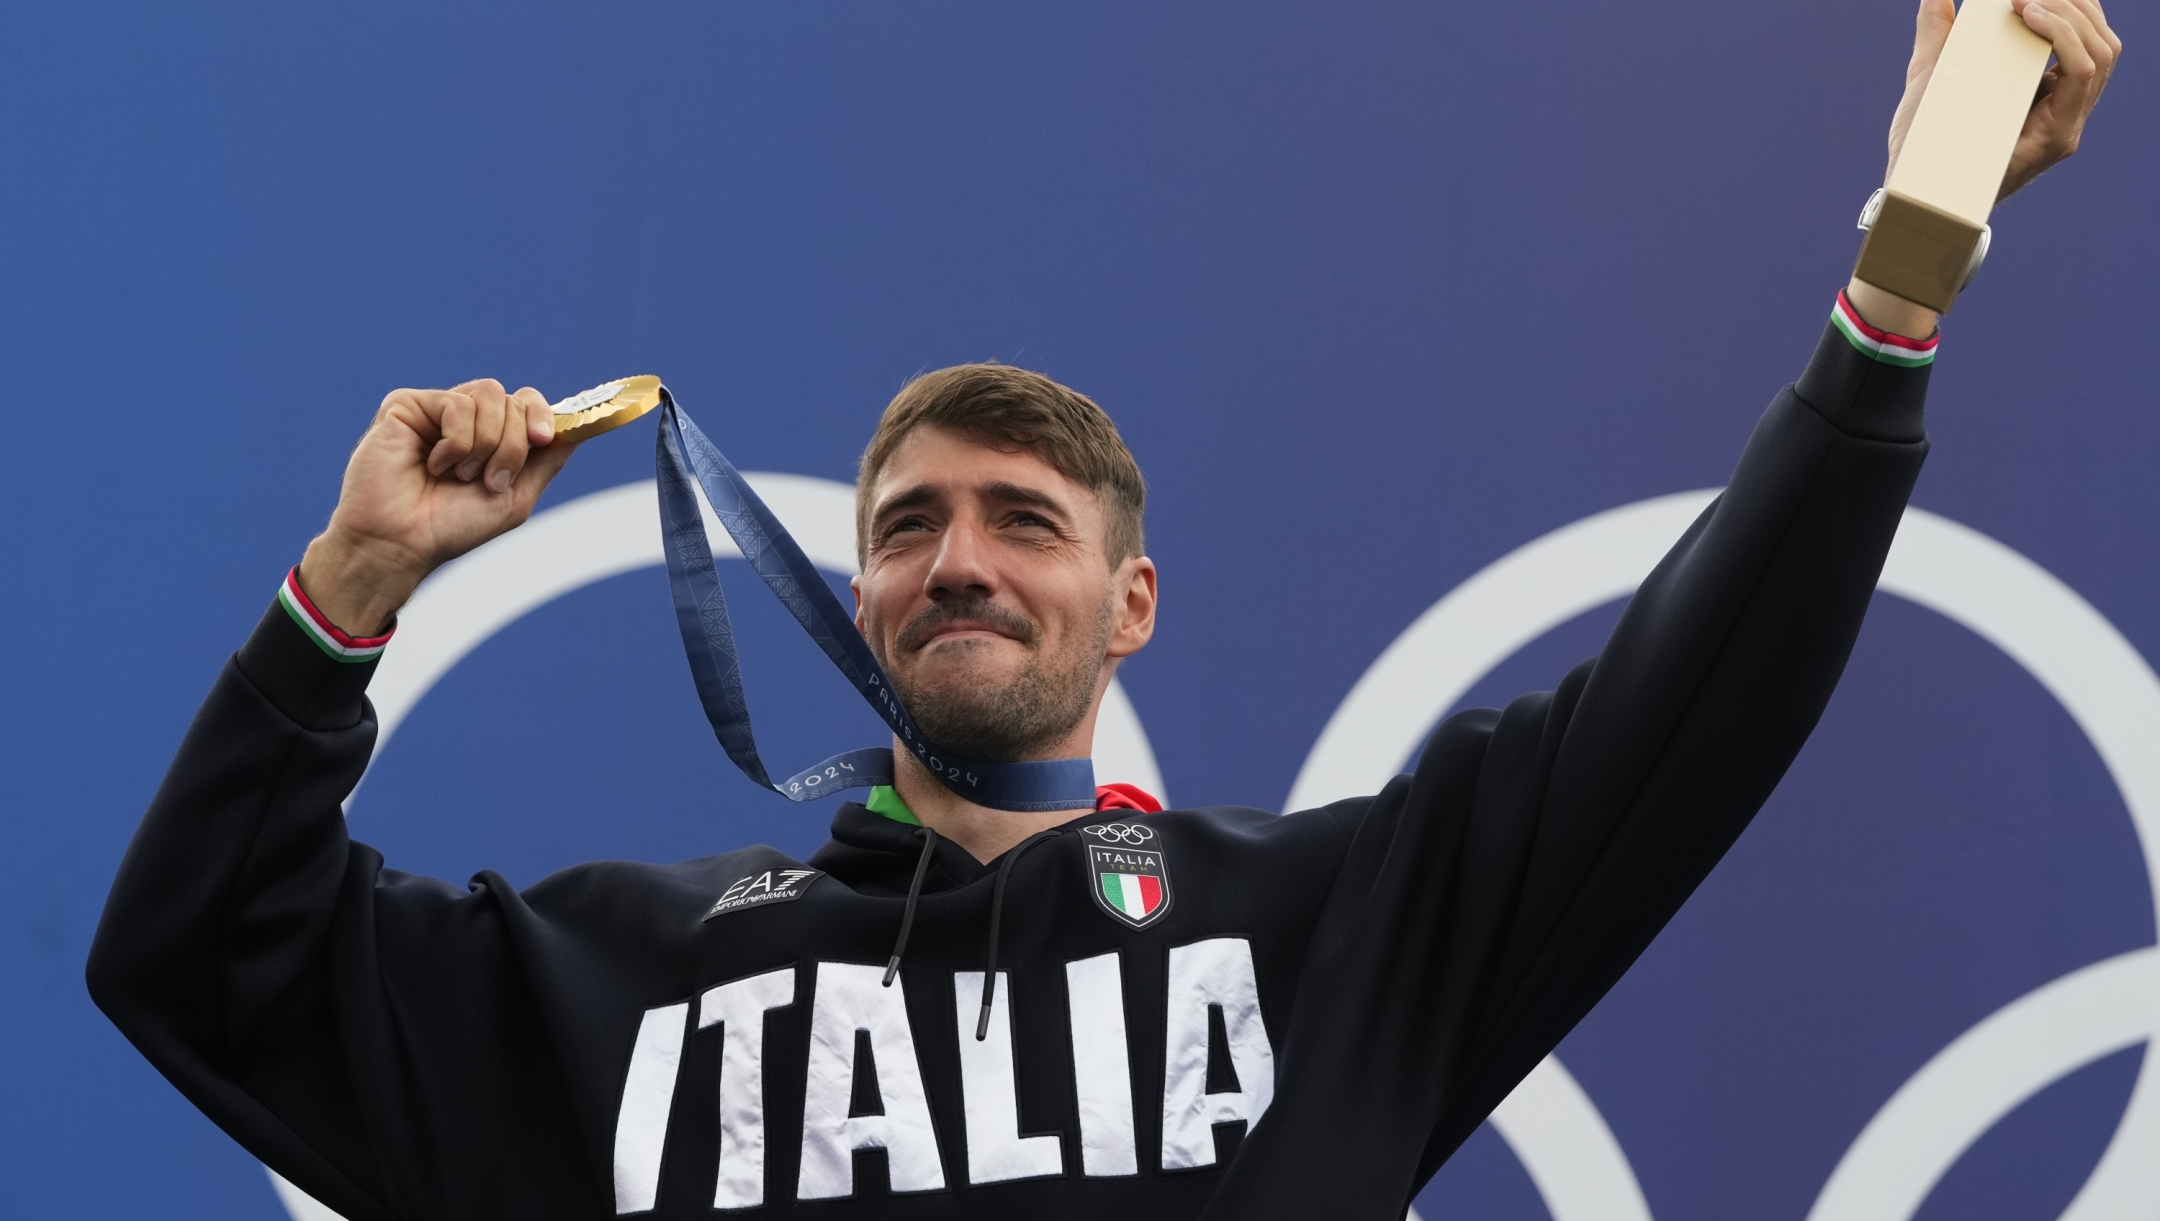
1649,762
1490,899
267,965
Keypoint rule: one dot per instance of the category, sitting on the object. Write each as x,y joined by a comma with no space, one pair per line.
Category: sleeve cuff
1881,345
329,637
306,666
1867,381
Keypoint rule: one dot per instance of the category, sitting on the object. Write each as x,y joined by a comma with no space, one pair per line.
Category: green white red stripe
1879,344
1135,894
327,636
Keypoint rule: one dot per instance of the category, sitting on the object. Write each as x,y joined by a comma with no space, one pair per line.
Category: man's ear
1134,624
854,585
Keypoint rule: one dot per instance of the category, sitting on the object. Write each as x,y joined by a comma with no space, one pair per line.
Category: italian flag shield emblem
1130,882
1135,895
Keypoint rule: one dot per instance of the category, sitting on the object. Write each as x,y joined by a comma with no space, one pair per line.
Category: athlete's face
989,599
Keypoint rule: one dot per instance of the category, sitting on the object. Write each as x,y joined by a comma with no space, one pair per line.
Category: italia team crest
1127,876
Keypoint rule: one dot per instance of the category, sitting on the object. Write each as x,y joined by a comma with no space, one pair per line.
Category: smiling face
988,595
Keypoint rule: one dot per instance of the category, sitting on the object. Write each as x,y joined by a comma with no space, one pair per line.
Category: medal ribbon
683,454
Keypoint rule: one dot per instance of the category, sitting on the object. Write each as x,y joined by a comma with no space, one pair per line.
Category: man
1206,1012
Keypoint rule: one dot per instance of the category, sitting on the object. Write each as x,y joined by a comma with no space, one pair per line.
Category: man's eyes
1023,519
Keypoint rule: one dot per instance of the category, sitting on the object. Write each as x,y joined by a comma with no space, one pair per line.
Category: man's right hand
438,473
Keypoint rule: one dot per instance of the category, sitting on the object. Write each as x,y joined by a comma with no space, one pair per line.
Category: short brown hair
1012,410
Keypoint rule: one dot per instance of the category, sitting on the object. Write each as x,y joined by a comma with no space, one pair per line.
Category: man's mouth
962,631
981,621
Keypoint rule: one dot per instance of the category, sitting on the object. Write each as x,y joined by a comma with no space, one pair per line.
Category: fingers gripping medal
605,408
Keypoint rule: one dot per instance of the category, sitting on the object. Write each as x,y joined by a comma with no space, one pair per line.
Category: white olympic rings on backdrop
1564,1143
1120,832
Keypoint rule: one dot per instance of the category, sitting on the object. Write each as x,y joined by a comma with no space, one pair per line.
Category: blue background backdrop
1377,290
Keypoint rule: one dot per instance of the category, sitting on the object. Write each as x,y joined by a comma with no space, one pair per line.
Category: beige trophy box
1927,230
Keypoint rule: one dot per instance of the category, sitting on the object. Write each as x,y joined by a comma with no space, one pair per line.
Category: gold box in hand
1935,205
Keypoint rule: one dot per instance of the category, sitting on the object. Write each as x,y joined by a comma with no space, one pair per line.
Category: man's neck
987,834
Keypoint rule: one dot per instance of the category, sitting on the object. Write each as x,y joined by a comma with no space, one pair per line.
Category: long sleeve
353,1027
1489,899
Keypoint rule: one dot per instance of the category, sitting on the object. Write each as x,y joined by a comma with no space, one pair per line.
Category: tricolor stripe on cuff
1879,344
327,636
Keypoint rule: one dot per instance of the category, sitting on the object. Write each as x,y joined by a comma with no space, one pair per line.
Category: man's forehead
934,461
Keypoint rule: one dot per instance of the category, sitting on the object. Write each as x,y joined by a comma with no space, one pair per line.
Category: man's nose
961,567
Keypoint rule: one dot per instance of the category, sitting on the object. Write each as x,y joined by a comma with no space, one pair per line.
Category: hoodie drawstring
907,914
997,915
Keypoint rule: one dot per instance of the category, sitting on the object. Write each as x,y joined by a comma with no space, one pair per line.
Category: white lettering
648,1094
739,1010
1204,974
995,1149
851,998
1102,1066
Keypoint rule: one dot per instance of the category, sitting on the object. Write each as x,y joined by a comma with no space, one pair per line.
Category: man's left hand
2085,53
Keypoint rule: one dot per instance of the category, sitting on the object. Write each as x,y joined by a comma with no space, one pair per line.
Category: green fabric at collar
883,800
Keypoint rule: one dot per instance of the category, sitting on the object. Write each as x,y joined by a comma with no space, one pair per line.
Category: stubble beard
1019,718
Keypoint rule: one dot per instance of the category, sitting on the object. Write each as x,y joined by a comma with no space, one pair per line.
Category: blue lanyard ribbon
684,454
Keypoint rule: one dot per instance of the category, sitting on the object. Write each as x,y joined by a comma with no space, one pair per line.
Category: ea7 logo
758,889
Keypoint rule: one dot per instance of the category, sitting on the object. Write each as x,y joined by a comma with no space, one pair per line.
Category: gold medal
604,408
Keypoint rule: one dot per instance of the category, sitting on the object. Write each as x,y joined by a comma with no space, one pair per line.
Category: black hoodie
1252,1015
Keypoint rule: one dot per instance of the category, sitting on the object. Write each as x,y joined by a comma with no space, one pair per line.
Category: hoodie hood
875,855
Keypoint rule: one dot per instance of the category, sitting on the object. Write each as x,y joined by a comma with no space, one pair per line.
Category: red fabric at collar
1126,797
